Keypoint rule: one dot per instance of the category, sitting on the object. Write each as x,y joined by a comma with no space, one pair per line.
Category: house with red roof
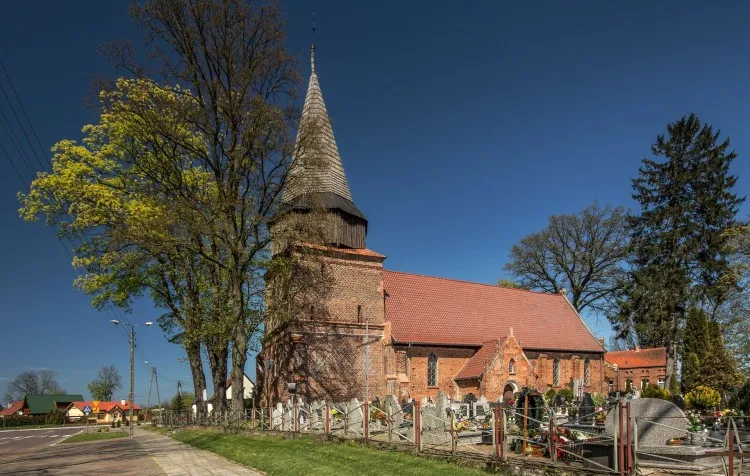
14,408
363,331
635,369
101,412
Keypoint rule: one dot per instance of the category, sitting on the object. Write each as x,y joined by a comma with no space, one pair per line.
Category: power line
23,129
14,140
13,164
13,87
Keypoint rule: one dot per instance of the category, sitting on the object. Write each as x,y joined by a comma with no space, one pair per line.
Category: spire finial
312,47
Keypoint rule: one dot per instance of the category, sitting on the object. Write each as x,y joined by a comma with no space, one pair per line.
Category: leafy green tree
105,384
679,239
674,387
508,283
581,254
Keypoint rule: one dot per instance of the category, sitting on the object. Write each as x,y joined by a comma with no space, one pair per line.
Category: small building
107,412
43,404
636,368
13,408
248,389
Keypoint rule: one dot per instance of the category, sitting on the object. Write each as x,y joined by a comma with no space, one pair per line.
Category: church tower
331,345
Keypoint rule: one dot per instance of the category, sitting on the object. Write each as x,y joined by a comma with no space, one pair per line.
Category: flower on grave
695,424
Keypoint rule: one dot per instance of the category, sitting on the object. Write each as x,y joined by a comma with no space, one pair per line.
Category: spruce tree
679,240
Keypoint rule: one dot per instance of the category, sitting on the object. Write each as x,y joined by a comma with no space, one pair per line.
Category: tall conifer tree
679,249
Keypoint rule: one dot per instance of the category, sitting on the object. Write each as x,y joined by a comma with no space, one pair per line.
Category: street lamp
132,365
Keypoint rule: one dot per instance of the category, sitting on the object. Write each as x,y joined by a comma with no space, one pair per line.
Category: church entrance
508,392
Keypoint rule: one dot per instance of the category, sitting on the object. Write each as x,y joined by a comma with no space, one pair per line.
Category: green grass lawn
156,429
95,436
303,456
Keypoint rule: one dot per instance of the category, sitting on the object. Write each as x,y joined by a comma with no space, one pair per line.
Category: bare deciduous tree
580,253
106,382
32,382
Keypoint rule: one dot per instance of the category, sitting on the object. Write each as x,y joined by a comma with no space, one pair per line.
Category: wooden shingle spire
328,175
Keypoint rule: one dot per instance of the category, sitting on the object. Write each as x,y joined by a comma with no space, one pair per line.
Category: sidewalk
177,458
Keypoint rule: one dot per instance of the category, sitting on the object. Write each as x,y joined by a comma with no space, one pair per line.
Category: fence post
453,432
417,423
730,442
270,418
295,414
500,450
388,421
327,426
552,439
366,421
252,418
621,443
346,420
635,444
629,441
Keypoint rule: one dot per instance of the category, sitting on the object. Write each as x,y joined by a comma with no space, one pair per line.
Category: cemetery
585,433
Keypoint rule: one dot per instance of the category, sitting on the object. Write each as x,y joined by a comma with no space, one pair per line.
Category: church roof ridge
465,281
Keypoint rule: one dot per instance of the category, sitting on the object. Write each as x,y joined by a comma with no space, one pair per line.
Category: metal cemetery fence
515,435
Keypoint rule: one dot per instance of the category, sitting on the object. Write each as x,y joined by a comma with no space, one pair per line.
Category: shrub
653,391
674,388
119,423
703,398
599,400
113,423
567,393
549,395
740,398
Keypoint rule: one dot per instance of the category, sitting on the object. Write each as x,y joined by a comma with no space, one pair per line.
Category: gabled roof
105,406
629,359
329,175
12,409
46,403
430,310
476,365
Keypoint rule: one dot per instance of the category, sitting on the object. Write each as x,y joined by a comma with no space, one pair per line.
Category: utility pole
132,377
132,367
156,378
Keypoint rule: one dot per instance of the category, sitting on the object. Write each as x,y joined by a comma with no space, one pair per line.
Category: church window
432,370
556,372
512,367
586,372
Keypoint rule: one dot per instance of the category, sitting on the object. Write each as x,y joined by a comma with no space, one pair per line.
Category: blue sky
461,131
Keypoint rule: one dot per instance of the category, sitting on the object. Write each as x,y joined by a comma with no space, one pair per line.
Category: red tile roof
14,408
106,406
630,359
430,310
349,251
476,365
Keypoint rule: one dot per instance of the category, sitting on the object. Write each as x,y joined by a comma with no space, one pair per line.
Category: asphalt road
13,442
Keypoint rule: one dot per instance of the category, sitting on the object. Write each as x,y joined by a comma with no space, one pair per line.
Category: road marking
3,442
66,437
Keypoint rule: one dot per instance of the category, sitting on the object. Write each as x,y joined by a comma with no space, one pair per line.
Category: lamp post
132,366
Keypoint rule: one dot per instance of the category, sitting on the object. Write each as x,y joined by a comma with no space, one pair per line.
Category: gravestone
394,409
278,411
354,409
442,404
648,411
316,414
586,410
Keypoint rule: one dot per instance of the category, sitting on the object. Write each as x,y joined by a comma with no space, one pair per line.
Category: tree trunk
239,348
199,377
217,359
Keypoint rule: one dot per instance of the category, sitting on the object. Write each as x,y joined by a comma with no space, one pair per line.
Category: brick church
379,332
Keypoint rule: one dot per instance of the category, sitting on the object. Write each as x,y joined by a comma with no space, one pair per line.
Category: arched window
587,372
432,370
512,367
556,372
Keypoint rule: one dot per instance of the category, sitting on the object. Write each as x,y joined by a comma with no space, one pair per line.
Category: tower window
556,372
432,370
512,367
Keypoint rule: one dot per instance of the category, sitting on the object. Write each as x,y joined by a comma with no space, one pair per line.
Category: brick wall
450,362
322,347
497,374
571,366
618,378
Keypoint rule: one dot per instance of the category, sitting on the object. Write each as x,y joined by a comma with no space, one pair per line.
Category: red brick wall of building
618,378
450,362
322,348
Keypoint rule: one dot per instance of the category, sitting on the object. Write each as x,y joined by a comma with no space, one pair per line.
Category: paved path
14,442
177,458
148,454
